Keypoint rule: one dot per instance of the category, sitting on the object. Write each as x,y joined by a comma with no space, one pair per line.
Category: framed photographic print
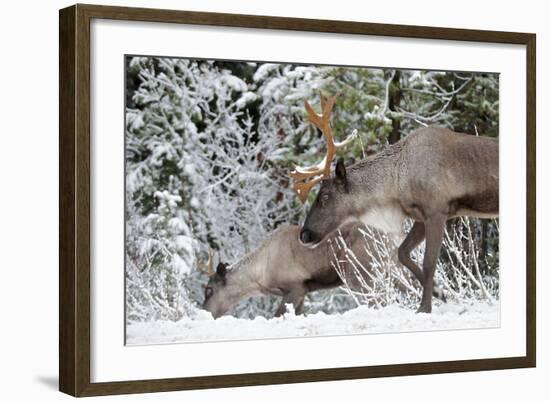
298,200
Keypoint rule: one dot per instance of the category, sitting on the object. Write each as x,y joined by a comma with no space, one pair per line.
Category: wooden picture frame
74,200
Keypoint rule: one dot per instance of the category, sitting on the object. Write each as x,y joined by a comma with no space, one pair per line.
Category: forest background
209,145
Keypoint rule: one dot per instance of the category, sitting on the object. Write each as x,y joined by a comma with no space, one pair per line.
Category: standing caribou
430,176
283,267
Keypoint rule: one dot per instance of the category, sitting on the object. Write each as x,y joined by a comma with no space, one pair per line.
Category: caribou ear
221,269
341,176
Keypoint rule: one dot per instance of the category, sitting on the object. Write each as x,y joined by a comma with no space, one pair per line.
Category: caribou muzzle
309,238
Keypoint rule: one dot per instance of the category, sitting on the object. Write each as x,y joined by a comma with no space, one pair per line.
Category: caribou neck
376,176
241,280
374,190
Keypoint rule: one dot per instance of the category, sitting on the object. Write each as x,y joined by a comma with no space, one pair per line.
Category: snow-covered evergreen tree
159,256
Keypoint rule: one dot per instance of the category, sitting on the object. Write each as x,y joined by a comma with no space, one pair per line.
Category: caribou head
332,195
213,301
330,210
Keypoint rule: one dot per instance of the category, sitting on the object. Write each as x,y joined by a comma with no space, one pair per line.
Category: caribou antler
207,267
300,175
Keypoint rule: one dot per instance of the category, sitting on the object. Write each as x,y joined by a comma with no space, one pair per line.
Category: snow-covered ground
361,320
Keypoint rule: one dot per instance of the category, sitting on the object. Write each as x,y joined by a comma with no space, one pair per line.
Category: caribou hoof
424,309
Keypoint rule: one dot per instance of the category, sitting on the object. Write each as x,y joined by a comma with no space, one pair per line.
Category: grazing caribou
430,176
282,266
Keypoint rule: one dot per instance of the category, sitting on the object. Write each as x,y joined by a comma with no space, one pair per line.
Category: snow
273,88
264,70
184,244
361,320
233,82
180,265
247,97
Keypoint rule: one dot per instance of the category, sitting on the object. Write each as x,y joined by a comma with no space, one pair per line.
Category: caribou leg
434,230
295,297
299,305
411,241
414,238
281,309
